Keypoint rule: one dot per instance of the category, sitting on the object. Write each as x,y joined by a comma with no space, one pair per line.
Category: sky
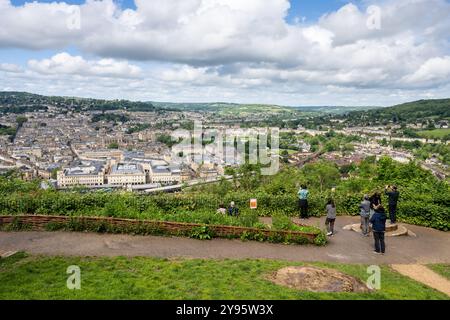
297,53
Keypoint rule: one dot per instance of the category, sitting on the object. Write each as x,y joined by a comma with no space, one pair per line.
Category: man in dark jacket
375,201
378,222
393,196
233,210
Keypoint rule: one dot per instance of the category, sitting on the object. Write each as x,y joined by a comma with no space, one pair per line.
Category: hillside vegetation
424,199
234,109
435,134
422,111
21,102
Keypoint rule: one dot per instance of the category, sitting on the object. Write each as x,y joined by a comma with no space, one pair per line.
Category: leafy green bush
321,239
202,233
282,222
249,219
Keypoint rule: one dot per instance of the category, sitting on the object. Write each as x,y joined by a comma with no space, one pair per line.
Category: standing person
393,195
331,217
365,215
233,210
378,221
303,201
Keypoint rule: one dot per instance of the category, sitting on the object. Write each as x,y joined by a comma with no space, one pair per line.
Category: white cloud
64,63
435,71
238,45
37,25
9,67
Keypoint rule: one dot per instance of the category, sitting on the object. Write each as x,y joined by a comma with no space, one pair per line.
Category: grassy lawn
39,277
290,152
243,110
442,269
434,134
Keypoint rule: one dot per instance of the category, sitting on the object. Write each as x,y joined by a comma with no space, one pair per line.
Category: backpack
365,214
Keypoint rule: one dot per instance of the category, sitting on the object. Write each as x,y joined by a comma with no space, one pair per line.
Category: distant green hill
421,111
242,109
21,102
231,109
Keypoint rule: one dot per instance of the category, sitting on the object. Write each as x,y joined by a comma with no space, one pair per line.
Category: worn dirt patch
317,280
424,275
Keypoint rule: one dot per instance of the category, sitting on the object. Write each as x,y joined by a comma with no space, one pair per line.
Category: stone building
126,174
83,175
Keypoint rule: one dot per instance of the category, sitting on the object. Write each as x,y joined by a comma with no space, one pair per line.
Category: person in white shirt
222,209
303,201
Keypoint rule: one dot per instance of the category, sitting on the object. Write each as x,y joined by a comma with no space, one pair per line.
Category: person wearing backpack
331,217
233,210
303,194
365,215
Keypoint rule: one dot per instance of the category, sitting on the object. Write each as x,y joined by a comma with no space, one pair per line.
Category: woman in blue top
303,202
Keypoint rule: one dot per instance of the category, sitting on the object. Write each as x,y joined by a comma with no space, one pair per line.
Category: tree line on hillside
21,102
110,117
426,112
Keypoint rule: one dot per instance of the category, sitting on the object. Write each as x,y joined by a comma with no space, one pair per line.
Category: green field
240,110
289,151
39,277
246,110
435,134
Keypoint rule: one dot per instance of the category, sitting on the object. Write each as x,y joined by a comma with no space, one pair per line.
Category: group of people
371,210
232,210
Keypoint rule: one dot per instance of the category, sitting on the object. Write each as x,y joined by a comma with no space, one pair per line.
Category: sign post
253,204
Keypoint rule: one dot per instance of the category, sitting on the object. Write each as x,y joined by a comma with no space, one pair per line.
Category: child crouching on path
331,217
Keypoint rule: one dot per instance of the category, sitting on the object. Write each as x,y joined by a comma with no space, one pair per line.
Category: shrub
424,200
202,233
282,222
249,219
321,239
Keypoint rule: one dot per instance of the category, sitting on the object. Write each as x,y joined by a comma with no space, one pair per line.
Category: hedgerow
424,199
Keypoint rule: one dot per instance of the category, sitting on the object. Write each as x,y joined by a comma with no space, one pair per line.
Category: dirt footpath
430,246
424,275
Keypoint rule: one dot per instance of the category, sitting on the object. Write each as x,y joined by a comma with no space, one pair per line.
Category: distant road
191,183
